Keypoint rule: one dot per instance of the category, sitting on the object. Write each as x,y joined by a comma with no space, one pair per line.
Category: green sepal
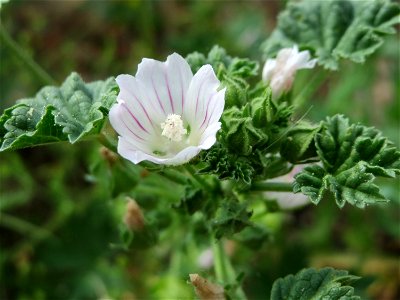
243,67
71,112
223,64
325,283
263,109
226,166
196,60
236,91
242,135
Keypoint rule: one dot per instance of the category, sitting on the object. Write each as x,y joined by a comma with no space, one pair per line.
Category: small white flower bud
280,72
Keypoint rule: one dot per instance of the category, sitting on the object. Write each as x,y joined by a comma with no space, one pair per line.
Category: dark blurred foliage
60,214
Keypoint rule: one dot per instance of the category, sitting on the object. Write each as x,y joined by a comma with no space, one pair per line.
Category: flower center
172,128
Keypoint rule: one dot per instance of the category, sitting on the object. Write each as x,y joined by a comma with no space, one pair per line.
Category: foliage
326,283
334,29
250,137
351,156
63,207
71,112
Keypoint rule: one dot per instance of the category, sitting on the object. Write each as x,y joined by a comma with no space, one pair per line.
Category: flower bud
206,290
108,155
133,218
280,72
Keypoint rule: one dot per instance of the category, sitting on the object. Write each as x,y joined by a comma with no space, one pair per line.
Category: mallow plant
219,134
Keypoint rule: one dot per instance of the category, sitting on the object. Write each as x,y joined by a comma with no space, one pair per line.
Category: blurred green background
61,208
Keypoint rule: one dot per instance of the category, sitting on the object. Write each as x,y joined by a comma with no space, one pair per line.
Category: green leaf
334,29
326,283
298,146
253,236
71,112
223,64
230,218
351,155
193,200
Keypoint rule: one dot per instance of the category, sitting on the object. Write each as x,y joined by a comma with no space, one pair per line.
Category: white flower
206,259
280,72
166,115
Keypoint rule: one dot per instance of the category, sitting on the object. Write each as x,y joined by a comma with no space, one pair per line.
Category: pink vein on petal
136,120
182,94
208,105
198,95
144,110
158,97
209,118
169,91
127,127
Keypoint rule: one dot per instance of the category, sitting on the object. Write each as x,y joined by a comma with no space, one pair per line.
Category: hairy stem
174,176
198,178
223,268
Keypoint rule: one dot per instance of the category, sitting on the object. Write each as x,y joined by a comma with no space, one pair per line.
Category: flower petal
214,110
166,83
119,120
301,60
209,136
130,152
202,88
133,93
268,69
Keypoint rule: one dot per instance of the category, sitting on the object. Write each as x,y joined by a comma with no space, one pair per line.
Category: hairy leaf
298,146
70,112
223,64
231,71
351,155
326,283
250,138
334,29
230,218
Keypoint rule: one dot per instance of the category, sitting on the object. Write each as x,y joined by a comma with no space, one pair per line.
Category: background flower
280,72
165,114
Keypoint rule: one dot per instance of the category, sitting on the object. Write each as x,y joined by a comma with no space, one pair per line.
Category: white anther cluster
173,128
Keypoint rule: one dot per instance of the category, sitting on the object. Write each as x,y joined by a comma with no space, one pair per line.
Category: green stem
107,142
152,190
223,269
174,176
35,68
24,227
272,186
199,179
